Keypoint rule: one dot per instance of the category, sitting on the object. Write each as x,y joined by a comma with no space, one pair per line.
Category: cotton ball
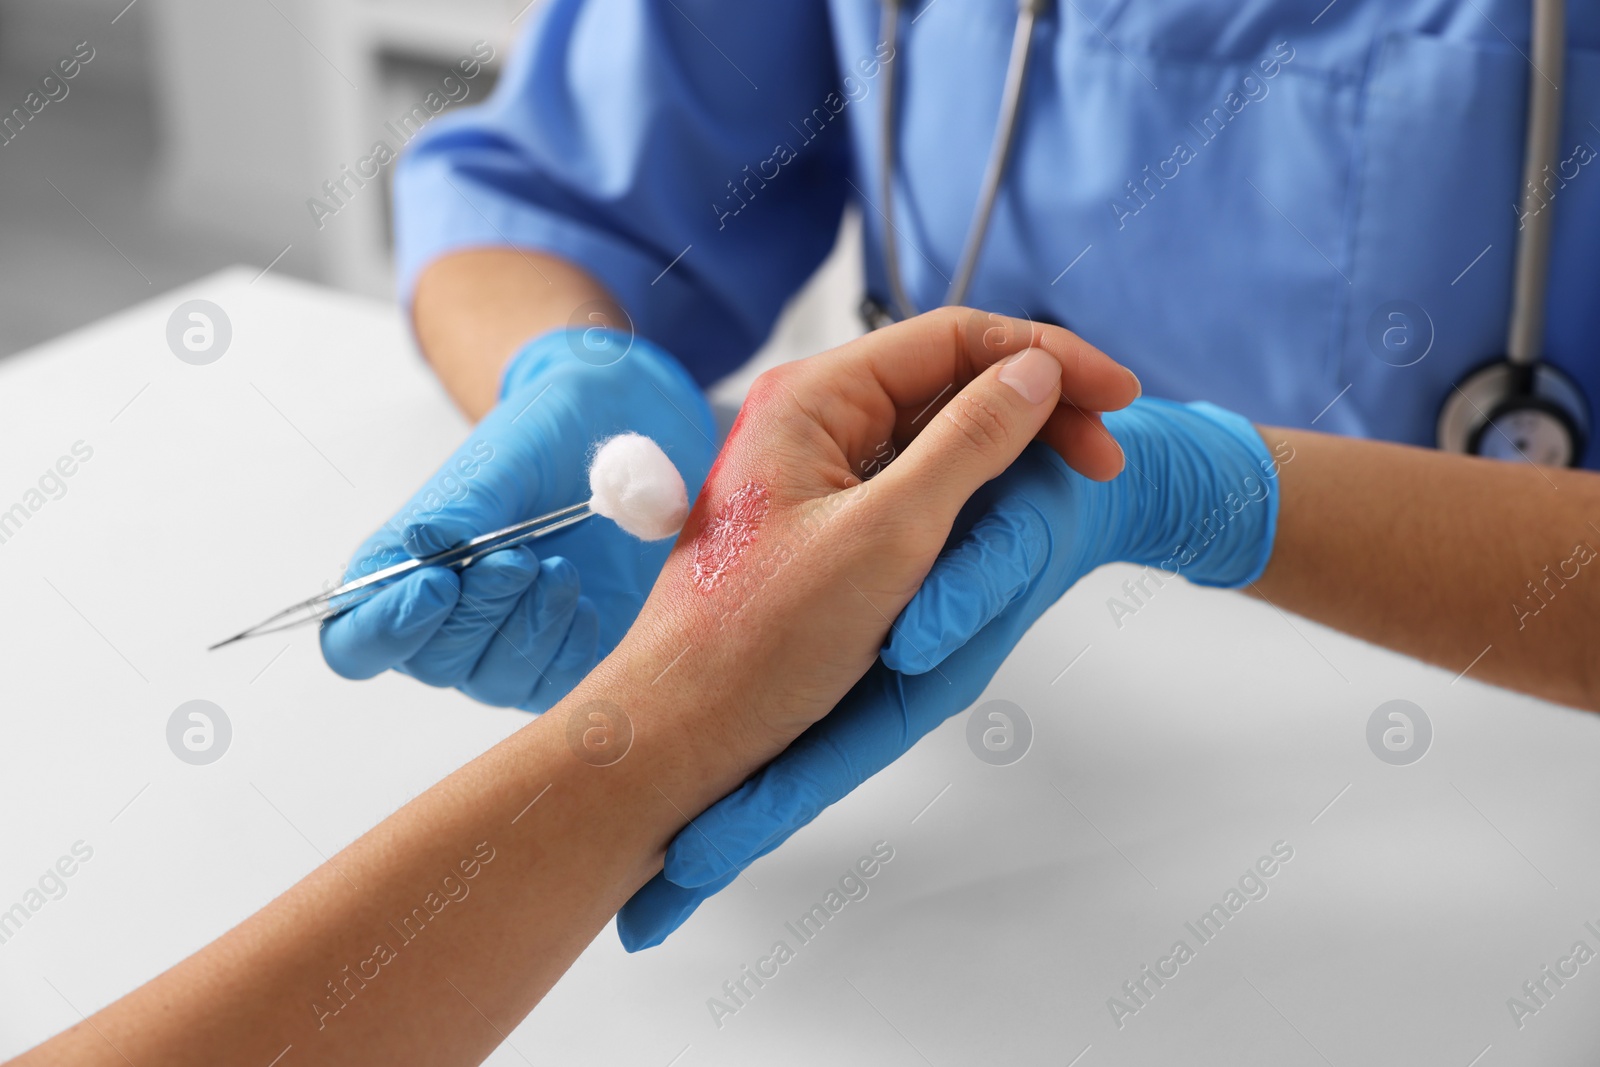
635,485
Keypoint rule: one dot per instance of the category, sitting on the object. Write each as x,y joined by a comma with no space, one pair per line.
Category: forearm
473,310
1444,558
432,936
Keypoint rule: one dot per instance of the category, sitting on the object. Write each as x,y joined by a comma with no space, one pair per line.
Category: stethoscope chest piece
1506,411
1520,407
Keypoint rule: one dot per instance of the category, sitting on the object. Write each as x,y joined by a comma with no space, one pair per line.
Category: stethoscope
1521,407
1515,407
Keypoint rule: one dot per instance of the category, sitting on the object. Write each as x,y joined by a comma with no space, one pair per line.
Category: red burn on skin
757,398
726,535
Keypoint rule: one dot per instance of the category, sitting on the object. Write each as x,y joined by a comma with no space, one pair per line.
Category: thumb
970,585
975,436
523,460
441,531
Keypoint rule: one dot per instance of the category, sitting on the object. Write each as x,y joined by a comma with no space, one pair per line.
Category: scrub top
1274,206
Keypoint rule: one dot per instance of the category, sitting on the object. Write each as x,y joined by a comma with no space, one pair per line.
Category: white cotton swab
635,485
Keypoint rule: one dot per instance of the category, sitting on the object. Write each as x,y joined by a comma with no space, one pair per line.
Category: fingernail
1138,388
1034,374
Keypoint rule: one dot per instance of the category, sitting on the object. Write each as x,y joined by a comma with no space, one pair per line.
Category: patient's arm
433,935
353,965
1444,557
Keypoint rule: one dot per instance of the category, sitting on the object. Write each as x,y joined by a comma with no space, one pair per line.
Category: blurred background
201,134
198,132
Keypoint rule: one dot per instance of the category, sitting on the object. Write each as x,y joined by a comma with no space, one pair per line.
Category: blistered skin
728,534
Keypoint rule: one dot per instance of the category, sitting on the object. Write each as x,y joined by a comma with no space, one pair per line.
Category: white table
1172,754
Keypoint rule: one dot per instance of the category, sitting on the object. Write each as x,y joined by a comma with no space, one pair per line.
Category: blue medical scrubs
1234,197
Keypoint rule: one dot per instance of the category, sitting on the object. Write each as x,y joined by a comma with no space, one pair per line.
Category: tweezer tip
229,641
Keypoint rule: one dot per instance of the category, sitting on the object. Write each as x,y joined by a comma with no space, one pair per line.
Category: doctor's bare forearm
473,310
1454,560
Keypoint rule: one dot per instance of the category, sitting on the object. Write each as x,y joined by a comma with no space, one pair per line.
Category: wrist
541,354
602,355
686,728
627,758
1200,497
608,382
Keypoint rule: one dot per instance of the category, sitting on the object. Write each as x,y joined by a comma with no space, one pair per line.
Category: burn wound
727,534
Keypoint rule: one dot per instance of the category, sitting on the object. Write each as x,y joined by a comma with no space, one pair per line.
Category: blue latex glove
1198,498
522,626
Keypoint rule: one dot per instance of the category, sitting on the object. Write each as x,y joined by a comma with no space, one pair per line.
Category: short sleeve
664,147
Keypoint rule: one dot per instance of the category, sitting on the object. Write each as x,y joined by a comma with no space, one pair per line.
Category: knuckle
776,379
953,317
978,420
988,335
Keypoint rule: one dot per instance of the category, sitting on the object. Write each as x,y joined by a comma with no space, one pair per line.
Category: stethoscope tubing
1525,334
1524,381
994,172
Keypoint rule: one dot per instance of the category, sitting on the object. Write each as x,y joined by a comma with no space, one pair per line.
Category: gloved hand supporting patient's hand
1198,498
521,626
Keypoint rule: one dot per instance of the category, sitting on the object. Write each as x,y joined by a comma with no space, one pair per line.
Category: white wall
238,124
33,33
252,133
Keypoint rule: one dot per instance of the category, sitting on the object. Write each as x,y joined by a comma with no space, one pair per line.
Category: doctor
1306,217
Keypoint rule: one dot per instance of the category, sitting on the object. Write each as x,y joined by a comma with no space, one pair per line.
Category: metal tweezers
336,602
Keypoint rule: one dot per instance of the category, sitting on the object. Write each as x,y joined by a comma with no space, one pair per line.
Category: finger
973,438
376,552
490,589
521,461
442,531
885,386
659,907
969,586
387,629
917,360
1080,437
522,647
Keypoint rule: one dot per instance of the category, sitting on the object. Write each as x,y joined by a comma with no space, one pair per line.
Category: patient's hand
806,541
